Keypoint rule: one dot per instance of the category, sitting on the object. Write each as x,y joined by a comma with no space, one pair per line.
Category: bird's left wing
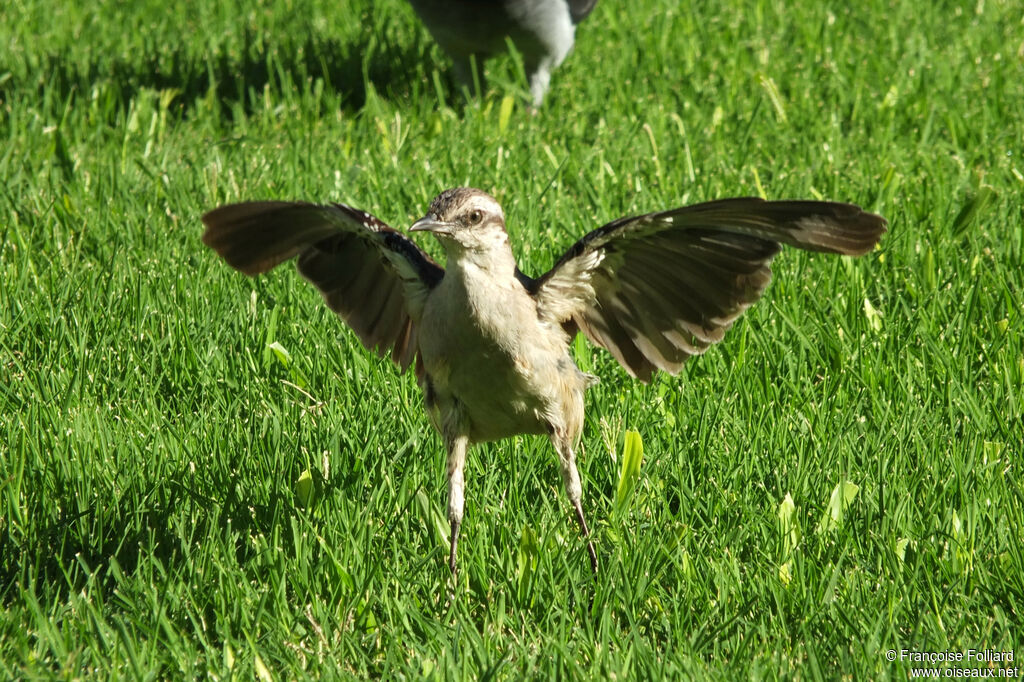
656,289
370,274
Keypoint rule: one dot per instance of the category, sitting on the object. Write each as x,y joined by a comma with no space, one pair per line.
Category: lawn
839,478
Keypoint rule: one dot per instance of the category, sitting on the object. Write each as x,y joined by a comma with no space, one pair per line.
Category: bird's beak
430,223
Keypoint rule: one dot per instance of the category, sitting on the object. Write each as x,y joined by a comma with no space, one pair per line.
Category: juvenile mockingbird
542,31
491,345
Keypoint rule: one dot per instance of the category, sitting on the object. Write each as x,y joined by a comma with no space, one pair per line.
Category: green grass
150,441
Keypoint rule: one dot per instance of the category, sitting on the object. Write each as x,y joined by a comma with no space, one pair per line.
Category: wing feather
658,288
370,274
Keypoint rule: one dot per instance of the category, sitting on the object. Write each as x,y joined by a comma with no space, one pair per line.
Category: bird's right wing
656,289
370,274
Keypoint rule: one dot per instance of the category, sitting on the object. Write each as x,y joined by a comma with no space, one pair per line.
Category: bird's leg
456,498
540,79
573,488
556,42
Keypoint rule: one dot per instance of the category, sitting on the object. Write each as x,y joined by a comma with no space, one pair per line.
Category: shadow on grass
232,79
65,552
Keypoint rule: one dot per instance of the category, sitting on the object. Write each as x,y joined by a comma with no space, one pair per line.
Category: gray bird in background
491,346
541,30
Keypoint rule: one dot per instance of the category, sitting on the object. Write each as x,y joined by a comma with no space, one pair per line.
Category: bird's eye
475,217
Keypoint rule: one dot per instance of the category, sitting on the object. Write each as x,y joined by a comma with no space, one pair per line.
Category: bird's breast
493,358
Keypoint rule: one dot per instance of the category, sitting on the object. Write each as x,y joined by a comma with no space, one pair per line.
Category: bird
543,31
490,345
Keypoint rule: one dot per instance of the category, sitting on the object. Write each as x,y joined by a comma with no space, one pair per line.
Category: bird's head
465,220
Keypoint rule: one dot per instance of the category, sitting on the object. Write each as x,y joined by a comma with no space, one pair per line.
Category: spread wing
655,289
370,274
